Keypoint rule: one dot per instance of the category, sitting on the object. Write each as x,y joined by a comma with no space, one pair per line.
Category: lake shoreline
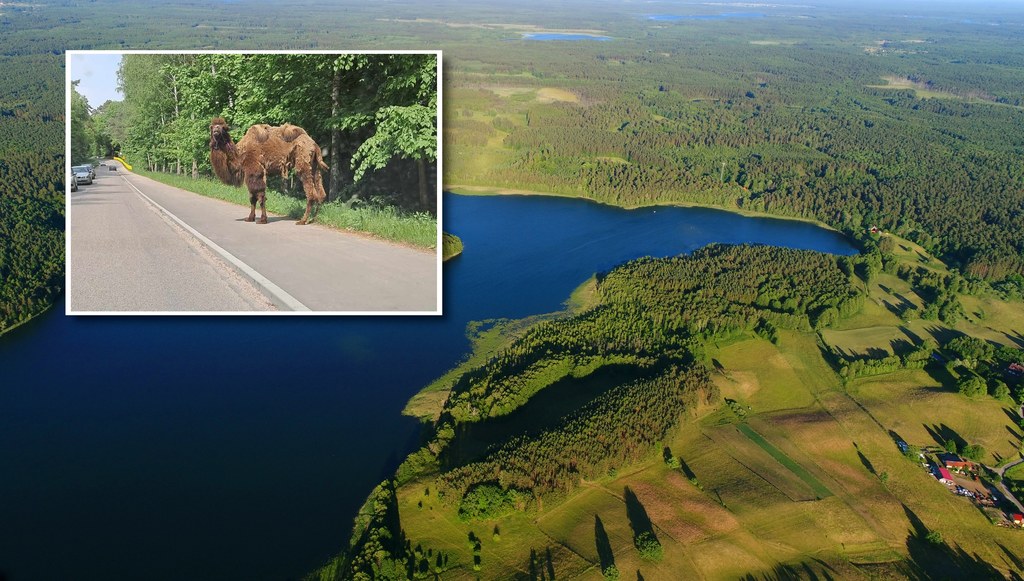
467,190
31,318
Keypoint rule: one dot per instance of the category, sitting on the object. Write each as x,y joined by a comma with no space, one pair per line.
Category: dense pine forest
31,186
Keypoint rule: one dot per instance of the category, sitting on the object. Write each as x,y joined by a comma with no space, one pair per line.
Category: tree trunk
195,169
335,180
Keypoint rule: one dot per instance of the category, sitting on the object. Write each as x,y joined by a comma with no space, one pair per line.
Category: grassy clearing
868,341
921,90
1015,473
786,461
435,525
755,458
553,95
755,373
878,329
918,408
419,229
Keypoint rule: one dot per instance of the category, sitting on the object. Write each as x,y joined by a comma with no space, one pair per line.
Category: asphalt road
136,245
1002,470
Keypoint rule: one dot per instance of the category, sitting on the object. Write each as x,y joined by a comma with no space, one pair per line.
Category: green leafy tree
648,546
971,385
81,127
399,111
973,452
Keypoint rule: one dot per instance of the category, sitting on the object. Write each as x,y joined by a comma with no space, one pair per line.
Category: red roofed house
954,461
945,477
1016,369
1018,519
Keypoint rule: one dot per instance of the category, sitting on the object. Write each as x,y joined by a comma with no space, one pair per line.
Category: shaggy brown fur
263,149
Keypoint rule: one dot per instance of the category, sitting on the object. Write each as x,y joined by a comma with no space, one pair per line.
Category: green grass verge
1015,473
785,460
417,229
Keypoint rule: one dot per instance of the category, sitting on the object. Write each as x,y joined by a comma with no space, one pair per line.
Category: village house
1018,519
954,462
945,477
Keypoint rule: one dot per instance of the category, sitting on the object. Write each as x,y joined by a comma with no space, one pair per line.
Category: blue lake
563,36
242,447
722,16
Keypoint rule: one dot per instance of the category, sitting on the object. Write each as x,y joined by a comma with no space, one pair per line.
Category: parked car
83,173
74,183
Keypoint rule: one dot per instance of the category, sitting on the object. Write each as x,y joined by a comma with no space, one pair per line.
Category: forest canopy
375,115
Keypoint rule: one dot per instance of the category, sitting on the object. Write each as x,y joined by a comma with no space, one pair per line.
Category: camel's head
219,137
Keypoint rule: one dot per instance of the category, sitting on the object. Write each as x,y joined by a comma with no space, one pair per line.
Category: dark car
84,173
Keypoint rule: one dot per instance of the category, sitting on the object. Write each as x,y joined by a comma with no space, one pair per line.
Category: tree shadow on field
1013,433
864,460
667,455
637,514
604,545
901,346
876,353
914,337
933,558
790,573
1014,560
942,376
539,569
943,433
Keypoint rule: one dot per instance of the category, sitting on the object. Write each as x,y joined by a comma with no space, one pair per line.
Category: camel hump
289,132
260,132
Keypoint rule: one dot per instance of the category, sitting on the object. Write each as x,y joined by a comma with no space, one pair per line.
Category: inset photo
213,182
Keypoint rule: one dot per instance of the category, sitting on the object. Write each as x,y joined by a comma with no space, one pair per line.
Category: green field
786,461
799,475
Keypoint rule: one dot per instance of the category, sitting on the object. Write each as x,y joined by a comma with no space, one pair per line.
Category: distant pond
563,36
242,447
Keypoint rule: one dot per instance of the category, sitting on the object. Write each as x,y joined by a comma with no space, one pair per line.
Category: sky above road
97,76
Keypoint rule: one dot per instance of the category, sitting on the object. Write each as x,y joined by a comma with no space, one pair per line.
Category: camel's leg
305,217
314,190
256,182
252,208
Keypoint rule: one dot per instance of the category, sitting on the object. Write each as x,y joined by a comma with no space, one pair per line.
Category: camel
263,149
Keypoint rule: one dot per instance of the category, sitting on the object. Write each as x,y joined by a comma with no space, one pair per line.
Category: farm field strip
819,489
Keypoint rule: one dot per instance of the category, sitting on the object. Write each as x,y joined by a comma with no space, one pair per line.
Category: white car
83,173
